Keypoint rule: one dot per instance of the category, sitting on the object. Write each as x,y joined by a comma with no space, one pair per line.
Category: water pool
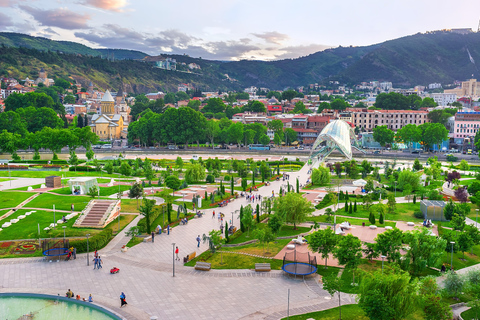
20,306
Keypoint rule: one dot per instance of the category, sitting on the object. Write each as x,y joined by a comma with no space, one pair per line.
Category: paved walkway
146,277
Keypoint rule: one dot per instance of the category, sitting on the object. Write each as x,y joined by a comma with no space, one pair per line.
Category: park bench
147,239
262,267
189,257
204,266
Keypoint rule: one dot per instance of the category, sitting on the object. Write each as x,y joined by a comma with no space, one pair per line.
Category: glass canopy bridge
339,136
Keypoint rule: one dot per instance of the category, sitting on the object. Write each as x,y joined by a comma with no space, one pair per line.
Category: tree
173,182
438,116
424,251
339,104
324,242
332,284
293,208
274,223
371,218
391,203
409,134
289,95
408,178
148,170
146,210
391,101
453,284
195,173
247,218
320,176
212,130
10,143
433,134
461,194
73,160
69,99
349,252
125,169
389,244
93,191
370,251
136,191
383,135
387,294
235,132
464,165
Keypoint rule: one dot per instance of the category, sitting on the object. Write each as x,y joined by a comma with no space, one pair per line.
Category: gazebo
433,209
82,185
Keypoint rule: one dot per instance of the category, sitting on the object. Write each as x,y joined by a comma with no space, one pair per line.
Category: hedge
279,162
43,161
81,168
327,201
96,242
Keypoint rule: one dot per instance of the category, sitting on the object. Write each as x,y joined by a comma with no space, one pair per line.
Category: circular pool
15,306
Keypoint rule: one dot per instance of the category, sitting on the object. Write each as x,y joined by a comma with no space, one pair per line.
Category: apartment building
466,124
393,119
443,99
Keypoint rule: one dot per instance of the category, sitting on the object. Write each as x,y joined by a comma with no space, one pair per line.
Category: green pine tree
346,206
346,195
371,218
350,208
380,219
258,213
355,206
242,227
226,231
414,199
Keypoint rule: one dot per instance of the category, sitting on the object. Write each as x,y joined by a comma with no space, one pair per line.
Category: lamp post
451,263
476,219
64,227
88,260
173,258
383,257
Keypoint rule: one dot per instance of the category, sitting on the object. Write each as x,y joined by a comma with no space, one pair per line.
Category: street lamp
383,257
476,219
88,260
451,264
64,227
173,257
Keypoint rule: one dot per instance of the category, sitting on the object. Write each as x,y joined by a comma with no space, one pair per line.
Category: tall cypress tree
80,121
258,213
346,206
242,227
298,186
226,231
231,186
350,209
355,206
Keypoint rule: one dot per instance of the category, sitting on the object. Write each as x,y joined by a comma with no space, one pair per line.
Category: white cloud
60,17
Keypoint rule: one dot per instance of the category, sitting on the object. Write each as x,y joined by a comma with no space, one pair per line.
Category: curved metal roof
338,135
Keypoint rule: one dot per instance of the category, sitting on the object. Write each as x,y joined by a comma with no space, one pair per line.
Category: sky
233,29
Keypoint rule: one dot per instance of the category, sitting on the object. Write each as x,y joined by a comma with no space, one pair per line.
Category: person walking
153,236
99,262
72,207
74,251
95,265
168,230
198,241
176,254
122,300
213,215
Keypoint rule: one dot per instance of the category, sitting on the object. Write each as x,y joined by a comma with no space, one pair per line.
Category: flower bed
25,247
255,187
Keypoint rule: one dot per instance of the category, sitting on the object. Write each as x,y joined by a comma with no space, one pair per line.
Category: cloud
272,37
299,51
111,5
50,31
60,17
5,20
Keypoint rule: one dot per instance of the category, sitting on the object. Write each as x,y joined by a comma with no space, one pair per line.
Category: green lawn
9,199
130,205
459,262
467,182
470,314
285,231
65,174
4,179
349,312
357,222
47,200
35,186
403,212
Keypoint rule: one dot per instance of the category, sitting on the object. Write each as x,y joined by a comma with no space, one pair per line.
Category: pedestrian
74,253
95,254
95,261
90,299
122,300
213,215
99,262
153,236
72,207
198,241
168,230
176,254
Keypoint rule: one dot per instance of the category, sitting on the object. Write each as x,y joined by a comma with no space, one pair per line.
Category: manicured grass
4,179
9,199
35,186
357,222
47,200
43,174
459,262
470,314
285,231
403,212
349,312
130,205
134,241
467,182
326,272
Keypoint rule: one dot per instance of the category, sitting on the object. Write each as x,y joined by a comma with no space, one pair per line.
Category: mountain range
412,60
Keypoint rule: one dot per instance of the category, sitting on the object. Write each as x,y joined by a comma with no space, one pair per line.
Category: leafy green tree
289,95
173,182
387,294
424,251
293,208
464,165
383,135
146,209
321,176
324,242
195,173
290,136
125,169
438,116
93,191
332,284
453,284
433,134
247,218
409,134
349,252
389,244
136,191
391,101
370,251
73,160
408,178
274,223
391,203
10,143
457,222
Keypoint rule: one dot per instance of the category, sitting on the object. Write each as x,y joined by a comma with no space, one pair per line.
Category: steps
98,214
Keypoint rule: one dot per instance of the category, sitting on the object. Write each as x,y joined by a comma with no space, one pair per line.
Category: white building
432,86
443,99
385,86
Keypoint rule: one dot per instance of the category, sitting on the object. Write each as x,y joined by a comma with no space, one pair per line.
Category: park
333,234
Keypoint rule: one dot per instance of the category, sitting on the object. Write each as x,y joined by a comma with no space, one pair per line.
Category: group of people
184,221
72,252
252,197
427,223
97,261
70,295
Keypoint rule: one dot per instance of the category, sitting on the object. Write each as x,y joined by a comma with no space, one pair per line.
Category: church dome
107,97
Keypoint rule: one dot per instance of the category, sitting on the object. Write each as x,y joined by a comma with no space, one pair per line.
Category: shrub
96,242
82,168
418,214
371,218
380,219
226,178
210,179
327,200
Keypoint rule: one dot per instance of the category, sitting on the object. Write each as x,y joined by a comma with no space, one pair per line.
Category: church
108,125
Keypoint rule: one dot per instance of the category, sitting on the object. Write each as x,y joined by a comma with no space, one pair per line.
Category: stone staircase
97,214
